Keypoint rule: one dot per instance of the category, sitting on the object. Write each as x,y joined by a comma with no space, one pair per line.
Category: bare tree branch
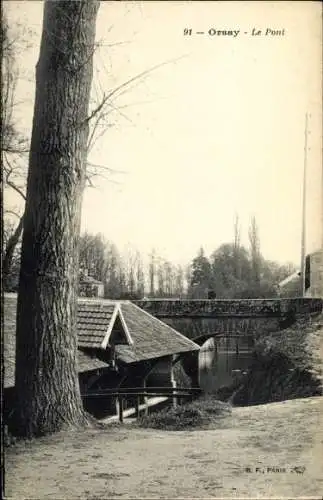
8,172
107,97
103,167
15,188
12,212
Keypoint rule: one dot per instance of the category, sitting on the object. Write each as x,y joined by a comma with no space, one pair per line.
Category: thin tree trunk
9,255
47,388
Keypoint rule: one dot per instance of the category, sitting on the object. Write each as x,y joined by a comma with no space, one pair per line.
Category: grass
198,414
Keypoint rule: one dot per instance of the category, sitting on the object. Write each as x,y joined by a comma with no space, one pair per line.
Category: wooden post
120,408
303,242
137,406
173,381
145,398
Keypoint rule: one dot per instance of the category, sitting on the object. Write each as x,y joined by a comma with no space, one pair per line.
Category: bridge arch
232,324
221,359
202,337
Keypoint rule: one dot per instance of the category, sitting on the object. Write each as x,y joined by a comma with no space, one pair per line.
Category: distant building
291,286
90,287
313,277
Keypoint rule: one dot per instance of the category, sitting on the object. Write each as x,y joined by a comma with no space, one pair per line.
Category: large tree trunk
47,388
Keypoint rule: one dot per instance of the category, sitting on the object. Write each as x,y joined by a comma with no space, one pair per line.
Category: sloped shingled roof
93,319
85,361
151,338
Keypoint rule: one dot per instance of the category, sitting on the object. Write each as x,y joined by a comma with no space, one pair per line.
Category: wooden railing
137,392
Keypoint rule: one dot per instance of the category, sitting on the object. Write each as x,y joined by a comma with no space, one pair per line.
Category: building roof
294,276
149,337
96,322
85,361
136,334
152,338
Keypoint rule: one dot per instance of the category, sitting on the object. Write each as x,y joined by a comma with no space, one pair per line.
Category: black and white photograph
162,249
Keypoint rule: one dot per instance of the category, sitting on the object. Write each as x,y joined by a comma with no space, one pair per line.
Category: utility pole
303,243
322,208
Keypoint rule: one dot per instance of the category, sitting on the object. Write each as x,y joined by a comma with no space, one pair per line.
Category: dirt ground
266,451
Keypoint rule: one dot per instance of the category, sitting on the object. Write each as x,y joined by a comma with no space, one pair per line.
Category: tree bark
47,388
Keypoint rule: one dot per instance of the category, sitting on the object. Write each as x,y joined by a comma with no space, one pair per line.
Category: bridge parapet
239,308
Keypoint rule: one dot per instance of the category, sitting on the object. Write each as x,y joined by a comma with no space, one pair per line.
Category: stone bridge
202,319
227,329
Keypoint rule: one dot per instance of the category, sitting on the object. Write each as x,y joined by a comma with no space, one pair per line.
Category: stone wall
242,308
199,329
201,319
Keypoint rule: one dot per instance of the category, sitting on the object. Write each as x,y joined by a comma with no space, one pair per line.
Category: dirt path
236,460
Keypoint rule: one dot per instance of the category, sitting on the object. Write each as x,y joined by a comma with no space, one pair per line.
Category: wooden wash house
119,346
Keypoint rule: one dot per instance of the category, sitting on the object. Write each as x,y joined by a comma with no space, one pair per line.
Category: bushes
273,376
286,365
201,413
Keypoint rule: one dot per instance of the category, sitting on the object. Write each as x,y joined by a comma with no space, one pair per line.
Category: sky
216,130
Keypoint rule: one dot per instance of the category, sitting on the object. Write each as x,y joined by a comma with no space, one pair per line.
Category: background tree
125,276
200,277
152,273
168,278
140,276
93,255
122,275
234,272
255,255
112,285
11,247
160,277
237,247
134,274
47,389
130,261
179,285
14,148
226,282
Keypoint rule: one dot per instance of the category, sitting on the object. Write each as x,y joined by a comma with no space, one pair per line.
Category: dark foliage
200,413
273,377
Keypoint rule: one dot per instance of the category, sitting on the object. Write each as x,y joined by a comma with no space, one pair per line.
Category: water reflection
221,358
